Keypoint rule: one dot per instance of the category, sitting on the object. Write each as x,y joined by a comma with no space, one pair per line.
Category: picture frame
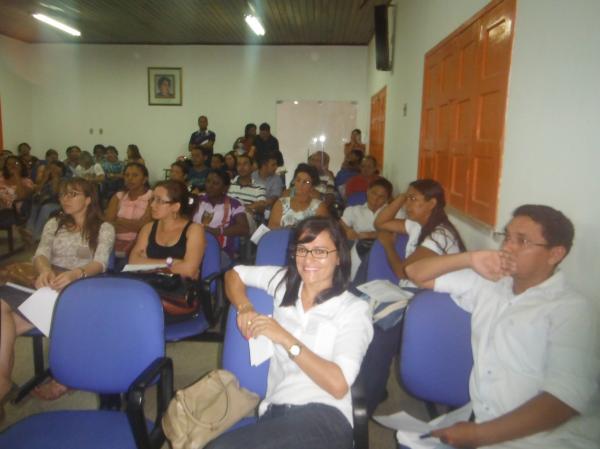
165,86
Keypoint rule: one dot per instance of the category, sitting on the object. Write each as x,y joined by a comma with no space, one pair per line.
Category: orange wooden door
377,128
465,89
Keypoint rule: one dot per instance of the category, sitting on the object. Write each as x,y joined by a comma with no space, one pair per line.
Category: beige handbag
204,410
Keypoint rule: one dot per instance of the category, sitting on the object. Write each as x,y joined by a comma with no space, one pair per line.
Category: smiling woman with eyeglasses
301,204
320,332
74,244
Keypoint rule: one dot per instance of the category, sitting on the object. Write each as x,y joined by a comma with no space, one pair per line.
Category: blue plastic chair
356,199
273,247
378,266
212,297
435,355
107,337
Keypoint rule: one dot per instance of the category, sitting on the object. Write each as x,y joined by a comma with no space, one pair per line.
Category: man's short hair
382,182
264,127
557,229
263,159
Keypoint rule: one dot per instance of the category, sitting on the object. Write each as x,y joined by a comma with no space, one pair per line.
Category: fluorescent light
56,24
255,24
321,138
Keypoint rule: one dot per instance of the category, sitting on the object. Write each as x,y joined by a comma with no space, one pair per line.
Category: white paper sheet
260,231
261,350
39,308
384,291
143,267
409,429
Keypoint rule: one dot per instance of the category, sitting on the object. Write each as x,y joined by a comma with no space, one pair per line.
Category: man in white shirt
536,342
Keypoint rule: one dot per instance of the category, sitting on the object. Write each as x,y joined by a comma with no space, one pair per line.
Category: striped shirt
246,194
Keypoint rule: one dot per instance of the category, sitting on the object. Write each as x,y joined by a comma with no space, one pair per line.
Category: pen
425,435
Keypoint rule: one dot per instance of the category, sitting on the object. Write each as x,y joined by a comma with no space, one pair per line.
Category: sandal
51,390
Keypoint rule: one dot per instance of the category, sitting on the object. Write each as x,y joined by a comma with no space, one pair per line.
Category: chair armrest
212,307
160,370
359,414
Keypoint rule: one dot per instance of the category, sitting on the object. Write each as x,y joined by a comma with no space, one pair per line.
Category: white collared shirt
338,330
545,339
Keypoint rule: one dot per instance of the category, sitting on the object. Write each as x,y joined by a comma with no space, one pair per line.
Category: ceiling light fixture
255,25
56,24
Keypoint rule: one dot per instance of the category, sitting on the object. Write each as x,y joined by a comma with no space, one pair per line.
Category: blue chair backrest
211,262
105,332
273,247
357,198
236,353
436,357
378,266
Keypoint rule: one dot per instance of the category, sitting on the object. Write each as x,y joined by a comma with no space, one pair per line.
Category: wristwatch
169,262
294,350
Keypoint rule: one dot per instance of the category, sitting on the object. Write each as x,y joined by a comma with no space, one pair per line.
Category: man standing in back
204,138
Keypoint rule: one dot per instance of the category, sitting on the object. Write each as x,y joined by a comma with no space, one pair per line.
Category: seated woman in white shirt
430,233
289,210
359,221
320,332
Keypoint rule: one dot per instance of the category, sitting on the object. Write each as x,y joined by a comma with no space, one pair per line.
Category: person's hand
267,326
461,435
244,320
493,265
64,279
44,279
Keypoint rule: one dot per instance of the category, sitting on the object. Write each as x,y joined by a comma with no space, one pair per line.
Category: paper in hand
261,350
39,308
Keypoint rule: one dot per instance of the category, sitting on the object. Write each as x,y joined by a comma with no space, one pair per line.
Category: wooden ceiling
177,22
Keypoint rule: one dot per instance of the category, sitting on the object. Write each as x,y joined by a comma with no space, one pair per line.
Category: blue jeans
313,426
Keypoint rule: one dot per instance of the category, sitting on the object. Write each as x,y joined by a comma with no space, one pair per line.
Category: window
463,112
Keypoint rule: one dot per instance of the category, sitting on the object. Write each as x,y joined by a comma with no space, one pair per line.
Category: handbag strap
186,408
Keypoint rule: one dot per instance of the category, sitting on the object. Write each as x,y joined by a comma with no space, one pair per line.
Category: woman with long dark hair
429,230
320,332
430,233
75,244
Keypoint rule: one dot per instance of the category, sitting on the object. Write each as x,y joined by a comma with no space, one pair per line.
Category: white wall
15,92
551,153
83,87
232,85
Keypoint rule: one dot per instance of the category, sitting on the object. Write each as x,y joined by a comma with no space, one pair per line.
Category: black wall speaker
382,42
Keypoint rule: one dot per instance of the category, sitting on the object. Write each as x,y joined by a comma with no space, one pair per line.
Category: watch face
294,350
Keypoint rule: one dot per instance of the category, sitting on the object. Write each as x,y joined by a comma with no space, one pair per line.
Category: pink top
132,210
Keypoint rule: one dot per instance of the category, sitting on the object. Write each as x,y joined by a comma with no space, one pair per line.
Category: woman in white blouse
320,332
75,244
430,233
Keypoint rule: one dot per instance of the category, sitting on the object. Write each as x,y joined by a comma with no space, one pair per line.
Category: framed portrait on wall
164,86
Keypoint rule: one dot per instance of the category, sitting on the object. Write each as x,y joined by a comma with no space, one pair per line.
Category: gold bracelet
244,307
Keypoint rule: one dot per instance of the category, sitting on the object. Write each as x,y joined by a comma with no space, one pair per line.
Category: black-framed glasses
317,253
518,241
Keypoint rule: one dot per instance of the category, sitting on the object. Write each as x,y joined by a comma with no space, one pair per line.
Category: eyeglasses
160,201
70,194
519,242
317,253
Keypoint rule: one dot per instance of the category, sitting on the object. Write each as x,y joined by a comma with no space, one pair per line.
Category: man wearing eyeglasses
536,342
